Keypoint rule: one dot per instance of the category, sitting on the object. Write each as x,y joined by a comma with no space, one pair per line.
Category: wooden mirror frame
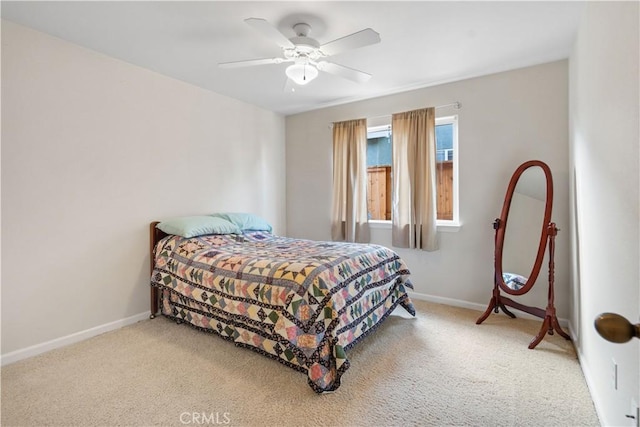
548,235
502,227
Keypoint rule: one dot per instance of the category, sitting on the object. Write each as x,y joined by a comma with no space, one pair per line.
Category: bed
303,303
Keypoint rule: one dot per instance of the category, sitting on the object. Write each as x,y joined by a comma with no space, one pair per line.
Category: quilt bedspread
301,302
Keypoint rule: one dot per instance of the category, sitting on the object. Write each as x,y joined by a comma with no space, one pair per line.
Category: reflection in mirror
524,227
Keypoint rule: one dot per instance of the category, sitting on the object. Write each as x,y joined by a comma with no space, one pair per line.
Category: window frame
446,225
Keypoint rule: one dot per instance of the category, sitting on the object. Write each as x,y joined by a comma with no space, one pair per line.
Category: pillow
192,226
245,221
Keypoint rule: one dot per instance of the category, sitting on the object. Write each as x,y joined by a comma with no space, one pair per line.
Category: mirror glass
524,227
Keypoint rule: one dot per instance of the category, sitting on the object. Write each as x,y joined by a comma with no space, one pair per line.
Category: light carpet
435,370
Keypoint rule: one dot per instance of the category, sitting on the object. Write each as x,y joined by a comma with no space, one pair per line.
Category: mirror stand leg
492,306
558,329
549,325
550,322
553,323
546,325
507,312
495,305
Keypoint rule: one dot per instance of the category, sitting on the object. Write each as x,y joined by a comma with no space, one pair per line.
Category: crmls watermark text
200,418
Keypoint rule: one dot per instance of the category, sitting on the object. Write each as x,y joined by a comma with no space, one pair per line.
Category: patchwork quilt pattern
301,302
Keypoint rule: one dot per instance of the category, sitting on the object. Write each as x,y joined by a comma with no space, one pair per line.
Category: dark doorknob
615,328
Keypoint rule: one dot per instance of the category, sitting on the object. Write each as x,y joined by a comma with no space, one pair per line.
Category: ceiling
423,43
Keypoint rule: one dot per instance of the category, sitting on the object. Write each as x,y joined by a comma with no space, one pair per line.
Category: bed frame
155,235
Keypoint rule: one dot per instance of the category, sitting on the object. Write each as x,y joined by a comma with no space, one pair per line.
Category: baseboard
474,306
573,335
37,349
587,376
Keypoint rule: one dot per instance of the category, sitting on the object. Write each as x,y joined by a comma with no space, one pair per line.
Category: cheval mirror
522,234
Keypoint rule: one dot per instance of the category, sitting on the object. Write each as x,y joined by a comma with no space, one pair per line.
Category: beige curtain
414,180
349,220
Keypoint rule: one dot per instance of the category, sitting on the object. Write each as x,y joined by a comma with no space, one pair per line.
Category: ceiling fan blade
346,72
250,63
352,41
269,31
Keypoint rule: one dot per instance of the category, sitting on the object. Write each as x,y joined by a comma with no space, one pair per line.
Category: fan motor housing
305,42
305,45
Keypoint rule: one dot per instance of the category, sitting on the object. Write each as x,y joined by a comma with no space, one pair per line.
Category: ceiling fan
307,54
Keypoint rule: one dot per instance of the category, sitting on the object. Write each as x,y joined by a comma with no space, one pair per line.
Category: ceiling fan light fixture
301,74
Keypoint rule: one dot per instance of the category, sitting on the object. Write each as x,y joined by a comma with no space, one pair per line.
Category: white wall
505,119
93,149
604,159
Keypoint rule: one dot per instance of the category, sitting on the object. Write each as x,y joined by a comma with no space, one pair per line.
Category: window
379,170
446,168
379,173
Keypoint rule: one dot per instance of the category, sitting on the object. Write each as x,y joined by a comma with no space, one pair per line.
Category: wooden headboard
155,235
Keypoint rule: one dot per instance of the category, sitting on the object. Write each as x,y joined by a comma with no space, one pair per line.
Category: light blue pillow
192,226
245,221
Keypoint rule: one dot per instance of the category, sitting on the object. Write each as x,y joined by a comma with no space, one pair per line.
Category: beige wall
506,119
605,214
93,149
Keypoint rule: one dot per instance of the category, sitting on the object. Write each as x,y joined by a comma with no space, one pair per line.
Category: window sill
443,226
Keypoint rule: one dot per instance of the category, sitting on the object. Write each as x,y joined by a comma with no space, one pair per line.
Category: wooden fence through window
379,191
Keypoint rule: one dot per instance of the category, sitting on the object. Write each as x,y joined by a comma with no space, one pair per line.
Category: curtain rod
456,106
